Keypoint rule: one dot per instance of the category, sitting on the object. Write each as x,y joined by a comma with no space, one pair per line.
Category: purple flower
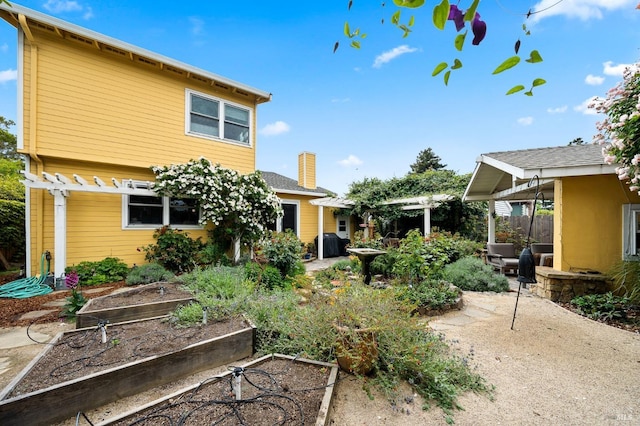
479,29
71,280
456,16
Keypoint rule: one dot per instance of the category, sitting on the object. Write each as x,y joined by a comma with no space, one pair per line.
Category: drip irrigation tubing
31,286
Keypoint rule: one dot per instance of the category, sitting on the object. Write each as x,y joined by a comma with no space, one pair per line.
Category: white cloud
614,70
584,106
594,80
557,110
8,75
580,9
351,160
60,6
525,121
273,129
4,48
390,55
64,6
197,25
340,101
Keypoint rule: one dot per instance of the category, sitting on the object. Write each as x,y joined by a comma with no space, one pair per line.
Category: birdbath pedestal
366,256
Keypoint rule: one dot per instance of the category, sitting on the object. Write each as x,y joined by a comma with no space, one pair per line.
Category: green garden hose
28,287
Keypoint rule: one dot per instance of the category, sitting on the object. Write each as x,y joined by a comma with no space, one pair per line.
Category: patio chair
502,256
542,253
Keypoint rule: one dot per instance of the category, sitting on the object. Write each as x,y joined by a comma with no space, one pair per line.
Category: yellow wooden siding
97,105
94,220
588,217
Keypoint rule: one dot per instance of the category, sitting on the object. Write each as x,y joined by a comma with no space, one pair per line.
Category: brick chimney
307,170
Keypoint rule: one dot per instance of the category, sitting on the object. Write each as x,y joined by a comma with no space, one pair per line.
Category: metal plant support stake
526,264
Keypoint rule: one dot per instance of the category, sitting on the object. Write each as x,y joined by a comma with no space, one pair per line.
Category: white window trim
221,120
148,226
279,222
630,224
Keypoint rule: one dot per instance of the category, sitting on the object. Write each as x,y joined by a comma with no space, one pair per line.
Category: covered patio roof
506,175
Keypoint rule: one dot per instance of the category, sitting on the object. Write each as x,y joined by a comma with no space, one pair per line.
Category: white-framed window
210,117
149,212
290,219
631,231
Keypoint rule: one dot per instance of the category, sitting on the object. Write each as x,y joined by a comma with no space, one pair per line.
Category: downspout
33,152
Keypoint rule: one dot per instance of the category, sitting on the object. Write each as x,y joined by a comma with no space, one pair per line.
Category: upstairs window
215,118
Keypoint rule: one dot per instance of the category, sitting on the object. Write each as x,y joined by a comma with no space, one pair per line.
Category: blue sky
369,112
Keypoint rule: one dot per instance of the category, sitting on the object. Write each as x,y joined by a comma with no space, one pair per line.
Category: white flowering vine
242,204
619,132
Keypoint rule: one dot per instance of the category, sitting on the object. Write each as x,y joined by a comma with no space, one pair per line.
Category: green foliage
10,186
626,279
174,250
506,234
472,274
427,160
601,306
241,205
221,290
359,241
213,253
108,270
430,294
420,258
407,350
267,276
73,304
454,215
12,224
283,250
8,141
147,274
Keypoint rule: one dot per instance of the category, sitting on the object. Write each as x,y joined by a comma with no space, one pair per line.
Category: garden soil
553,368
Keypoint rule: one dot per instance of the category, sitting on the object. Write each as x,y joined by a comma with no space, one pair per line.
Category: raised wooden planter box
65,400
90,314
161,407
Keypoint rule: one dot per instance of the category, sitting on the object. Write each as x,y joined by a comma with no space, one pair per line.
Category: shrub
430,294
267,276
174,250
283,250
147,274
213,253
601,306
359,241
12,225
471,274
626,279
108,270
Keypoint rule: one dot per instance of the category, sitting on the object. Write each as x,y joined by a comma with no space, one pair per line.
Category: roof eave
261,96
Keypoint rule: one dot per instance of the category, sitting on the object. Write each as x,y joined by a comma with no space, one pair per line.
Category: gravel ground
554,368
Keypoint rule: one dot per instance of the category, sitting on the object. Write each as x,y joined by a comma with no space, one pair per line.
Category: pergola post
320,247
427,221
60,234
491,221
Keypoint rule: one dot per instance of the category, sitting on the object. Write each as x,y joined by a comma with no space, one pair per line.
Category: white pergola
60,187
426,203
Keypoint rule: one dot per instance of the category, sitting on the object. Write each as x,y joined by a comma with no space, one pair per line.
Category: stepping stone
55,303
18,337
96,290
37,314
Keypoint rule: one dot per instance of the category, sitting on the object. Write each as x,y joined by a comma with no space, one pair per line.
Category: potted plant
356,322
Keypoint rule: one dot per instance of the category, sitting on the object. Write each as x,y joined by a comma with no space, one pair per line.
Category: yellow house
596,216
94,113
308,208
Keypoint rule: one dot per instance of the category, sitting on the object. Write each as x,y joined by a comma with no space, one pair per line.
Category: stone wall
559,286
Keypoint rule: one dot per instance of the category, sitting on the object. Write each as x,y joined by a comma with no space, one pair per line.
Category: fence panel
542,229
